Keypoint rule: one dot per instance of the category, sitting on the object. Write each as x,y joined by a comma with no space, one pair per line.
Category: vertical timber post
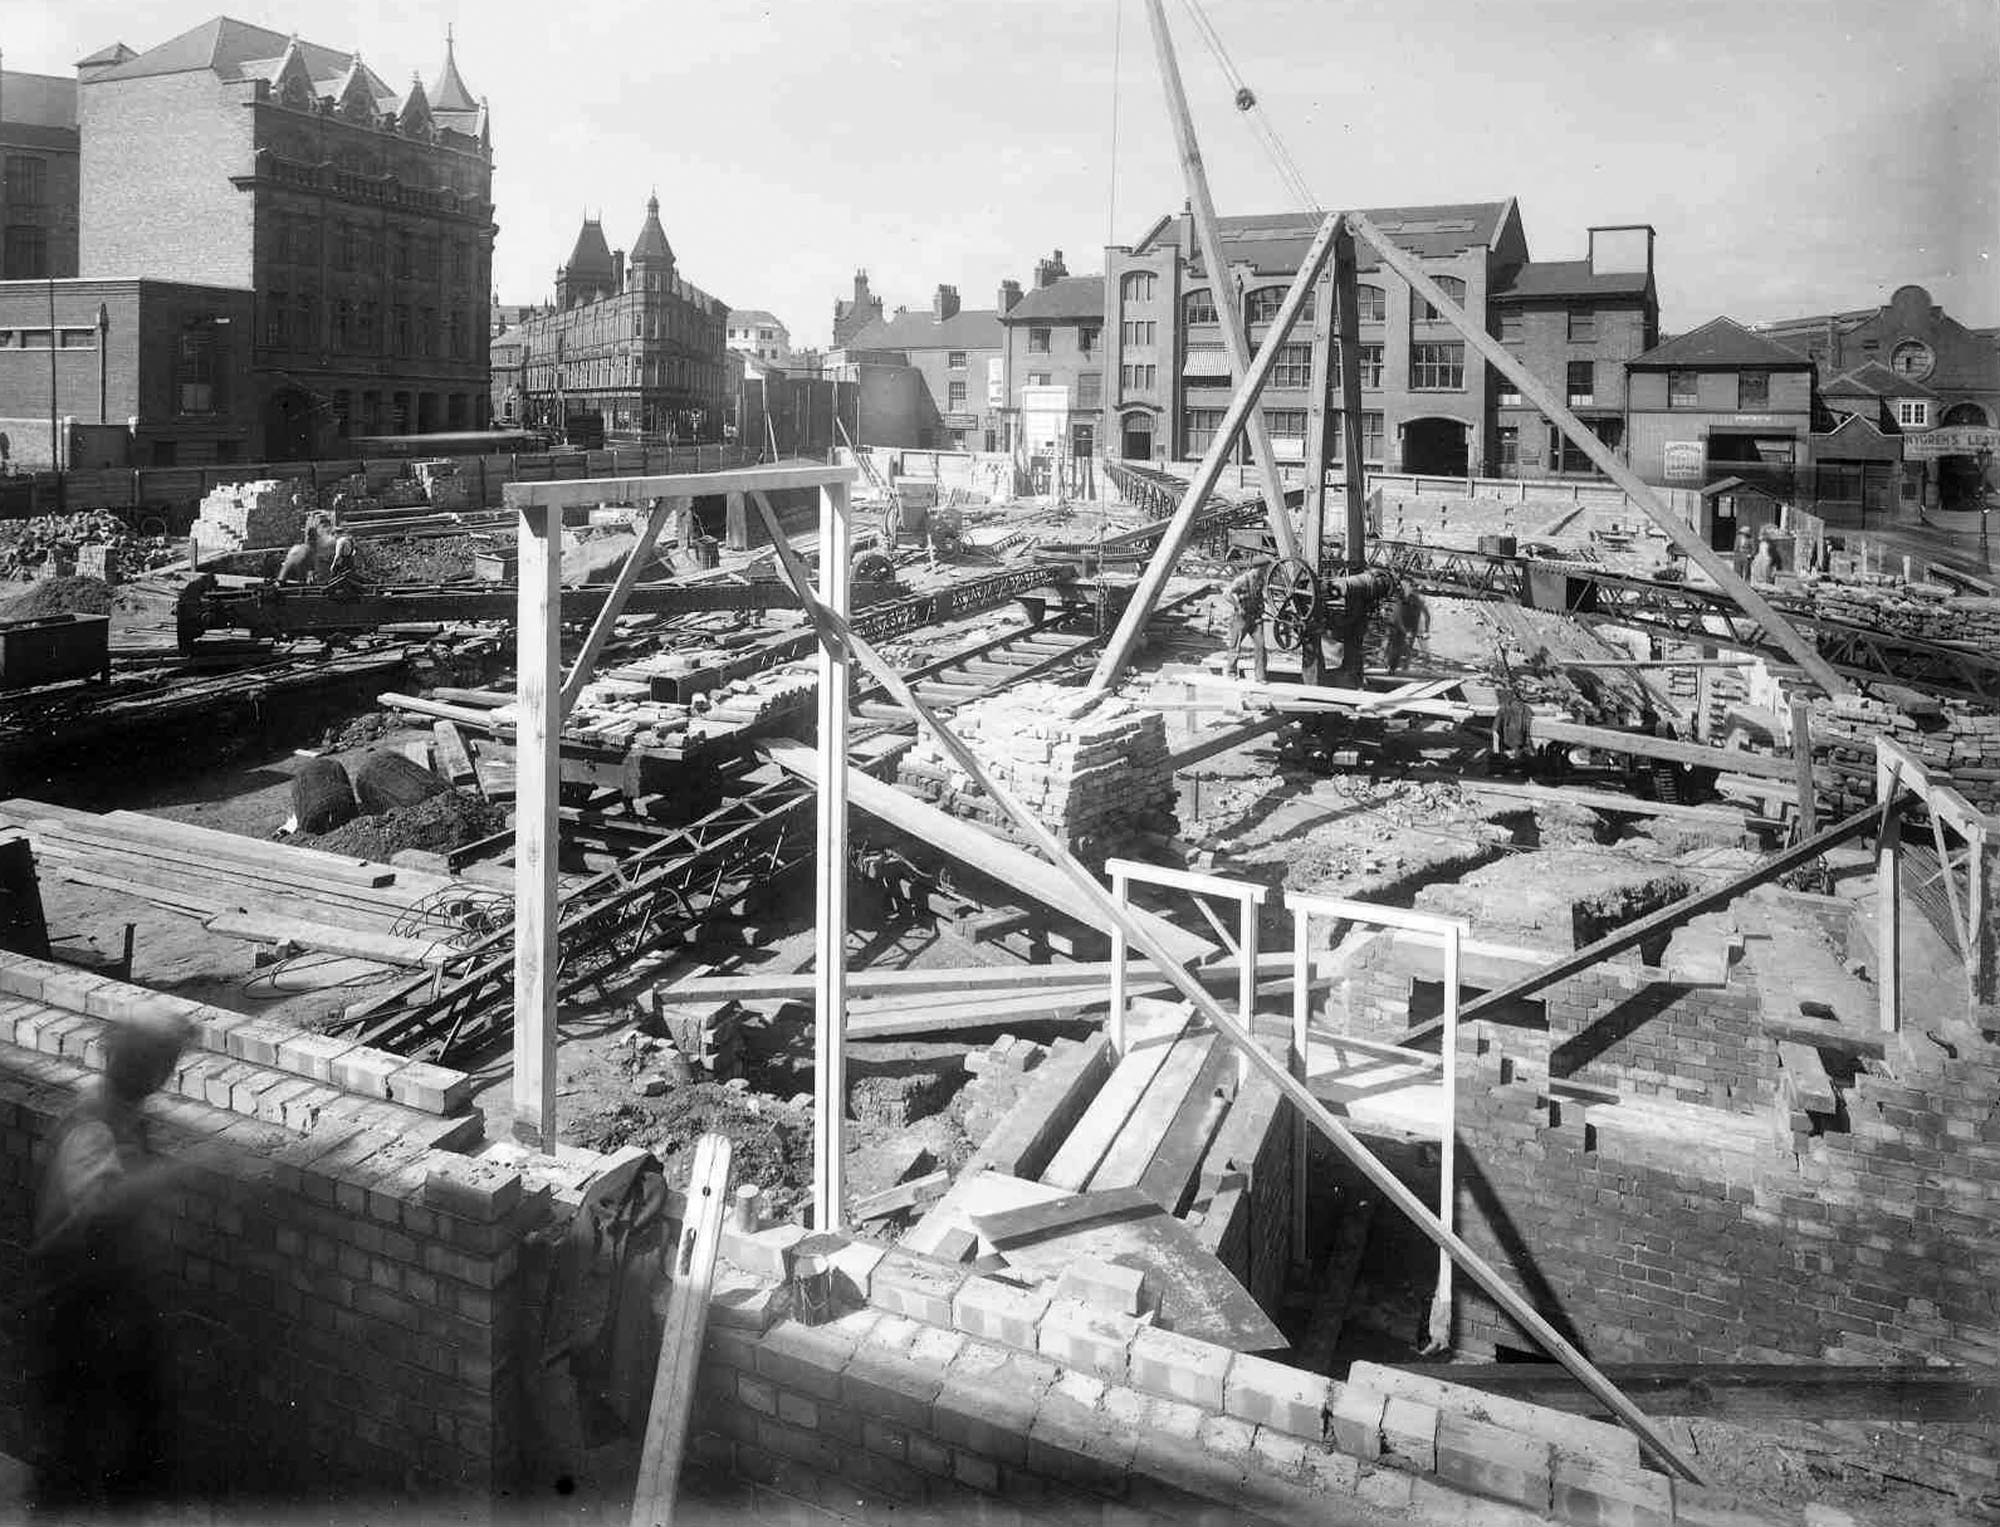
1312,534
1888,898
1354,476
538,732
1440,1331
830,904
1296,1063
1802,769
1246,984
1116,1020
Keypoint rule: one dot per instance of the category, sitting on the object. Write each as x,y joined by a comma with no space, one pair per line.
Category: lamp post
103,337
55,445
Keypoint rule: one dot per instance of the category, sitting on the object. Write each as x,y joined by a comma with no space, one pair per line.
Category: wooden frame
1249,898
1897,776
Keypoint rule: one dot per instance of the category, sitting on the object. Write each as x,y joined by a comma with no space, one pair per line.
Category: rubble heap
255,515
1094,772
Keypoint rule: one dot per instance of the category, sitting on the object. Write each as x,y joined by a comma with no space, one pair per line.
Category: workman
1409,625
1512,749
1767,563
1246,609
342,562
94,1267
302,562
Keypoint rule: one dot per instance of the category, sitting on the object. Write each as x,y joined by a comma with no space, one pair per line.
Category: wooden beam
1635,933
538,777
1353,475
1889,764
1228,303
1102,1122
833,629
1645,745
614,603
1802,769
636,490
1152,583
1037,1222
682,1335
454,759
1538,392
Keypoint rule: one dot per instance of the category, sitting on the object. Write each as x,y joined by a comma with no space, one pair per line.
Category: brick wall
341,1291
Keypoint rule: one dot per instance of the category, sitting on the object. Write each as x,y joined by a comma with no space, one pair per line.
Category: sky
1796,156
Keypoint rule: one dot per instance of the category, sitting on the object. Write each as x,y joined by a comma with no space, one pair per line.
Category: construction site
828,991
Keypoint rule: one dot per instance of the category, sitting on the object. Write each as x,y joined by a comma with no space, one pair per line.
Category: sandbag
389,779
322,796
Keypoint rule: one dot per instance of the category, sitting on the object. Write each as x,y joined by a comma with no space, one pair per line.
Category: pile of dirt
443,821
360,732
58,596
770,1143
416,559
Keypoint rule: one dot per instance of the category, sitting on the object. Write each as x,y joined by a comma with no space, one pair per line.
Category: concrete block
1389,1488
748,1304
1354,1420
309,1055
1169,1456
767,1253
1178,1367
1074,1442
433,1089
1000,1312
854,1270
1409,1434
1088,1340
475,1190
1490,1460
66,987
365,1071
988,1401
1271,1394
810,1359
257,1042
1589,1495
22,977
1103,1285
915,1287
890,1385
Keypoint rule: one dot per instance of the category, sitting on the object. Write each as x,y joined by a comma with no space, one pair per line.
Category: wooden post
1116,1020
692,1264
1557,412
1354,479
1132,624
834,631
1808,795
1295,1065
538,777
1888,900
830,956
1246,984
1440,1326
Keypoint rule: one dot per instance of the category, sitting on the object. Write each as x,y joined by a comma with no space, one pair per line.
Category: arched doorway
288,425
1436,448
1137,444
1965,413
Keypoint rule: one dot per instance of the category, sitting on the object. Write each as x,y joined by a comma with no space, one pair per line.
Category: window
1087,336
1038,339
1293,367
1207,362
1371,304
1199,307
1510,447
1437,367
1136,331
1566,456
1683,389
1753,389
367,324
1453,288
305,321
400,329
277,315
25,254
1041,378
35,339
954,397
78,339
1285,423
1371,367
1261,305
1198,427
1371,435
1513,326
1505,393
1090,389
344,245
1582,383
194,371
1136,378
955,360
1913,413
27,181
1138,286
1582,326
460,334
341,323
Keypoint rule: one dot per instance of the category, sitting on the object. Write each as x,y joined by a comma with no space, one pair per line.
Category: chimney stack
1010,293
945,304
1050,271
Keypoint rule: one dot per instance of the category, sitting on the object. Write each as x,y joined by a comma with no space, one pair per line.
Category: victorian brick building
629,348
359,214
38,152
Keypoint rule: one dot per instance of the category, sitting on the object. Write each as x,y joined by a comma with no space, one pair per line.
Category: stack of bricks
937,1394
1925,611
707,1034
342,1304
1094,772
251,515
1964,752
445,487
97,560
349,498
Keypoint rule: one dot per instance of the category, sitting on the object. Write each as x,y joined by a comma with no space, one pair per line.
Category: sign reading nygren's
1954,440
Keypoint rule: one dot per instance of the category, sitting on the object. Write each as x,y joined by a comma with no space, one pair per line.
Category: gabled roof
1721,342
591,255
753,318
1875,380
225,46
1068,297
1278,241
651,246
38,100
967,329
449,92
1565,278
1860,424
110,53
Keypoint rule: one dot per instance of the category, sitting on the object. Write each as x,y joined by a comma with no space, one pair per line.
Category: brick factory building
38,153
628,343
148,371
361,217
1431,410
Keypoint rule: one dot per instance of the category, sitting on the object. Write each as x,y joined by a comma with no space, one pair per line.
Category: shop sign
961,421
1955,440
1686,460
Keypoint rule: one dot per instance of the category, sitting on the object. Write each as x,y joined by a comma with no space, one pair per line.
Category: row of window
627,371
1039,340
292,321
38,339
350,246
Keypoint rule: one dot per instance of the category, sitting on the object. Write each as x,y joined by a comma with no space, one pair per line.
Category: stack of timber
708,1034
245,887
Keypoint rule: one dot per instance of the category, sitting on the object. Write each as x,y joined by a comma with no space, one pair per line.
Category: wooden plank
133,827
1108,1111
1224,740
388,948
904,1195
1057,1094
538,757
632,490
1752,1391
682,1335
454,759
1606,800
1169,1177
1645,745
243,874
981,850
1125,1163
1013,1227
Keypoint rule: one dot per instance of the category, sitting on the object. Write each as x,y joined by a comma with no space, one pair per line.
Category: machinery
1301,605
